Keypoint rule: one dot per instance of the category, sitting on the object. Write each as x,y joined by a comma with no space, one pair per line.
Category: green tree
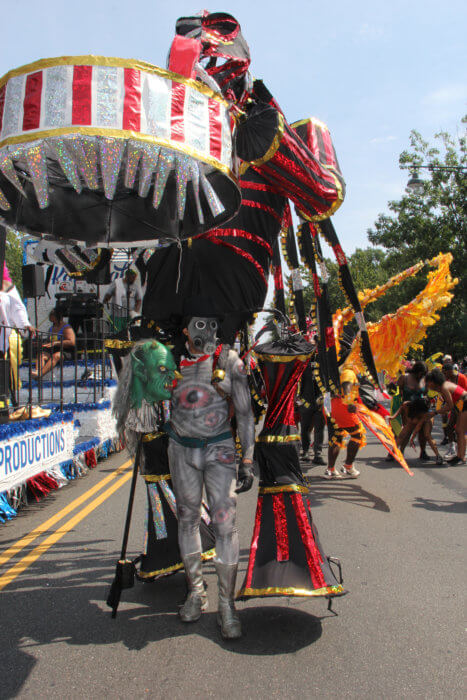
14,257
422,225
369,268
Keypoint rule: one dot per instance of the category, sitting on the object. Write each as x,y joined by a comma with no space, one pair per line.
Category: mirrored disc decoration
105,151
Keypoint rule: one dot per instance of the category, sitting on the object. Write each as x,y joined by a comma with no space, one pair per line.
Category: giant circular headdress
112,151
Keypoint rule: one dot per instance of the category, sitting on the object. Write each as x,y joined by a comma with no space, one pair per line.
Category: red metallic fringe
280,524
264,207
254,542
41,484
262,186
243,254
90,458
239,233
313,556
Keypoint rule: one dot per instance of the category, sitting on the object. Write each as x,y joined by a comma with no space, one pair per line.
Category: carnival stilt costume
286,557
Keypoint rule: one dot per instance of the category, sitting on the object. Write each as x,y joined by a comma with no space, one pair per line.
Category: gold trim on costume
43,63
278,438
282,358
154,478
310,120
334,206
119,344
286,488
148,437
271,150
119,134
176,567
273,590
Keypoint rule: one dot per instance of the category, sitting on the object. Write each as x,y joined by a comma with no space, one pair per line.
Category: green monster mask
154,371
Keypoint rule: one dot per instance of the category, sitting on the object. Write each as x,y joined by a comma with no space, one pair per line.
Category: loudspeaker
33,281
101,275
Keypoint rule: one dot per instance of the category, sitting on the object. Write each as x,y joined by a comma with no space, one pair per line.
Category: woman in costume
140,405
343,421
454,395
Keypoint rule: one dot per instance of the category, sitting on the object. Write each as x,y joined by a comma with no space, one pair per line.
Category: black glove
244,478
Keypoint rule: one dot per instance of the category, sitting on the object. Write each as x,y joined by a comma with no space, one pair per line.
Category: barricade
53,427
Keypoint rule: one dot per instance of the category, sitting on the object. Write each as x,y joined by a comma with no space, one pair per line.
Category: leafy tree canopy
418,228
14,257
422,225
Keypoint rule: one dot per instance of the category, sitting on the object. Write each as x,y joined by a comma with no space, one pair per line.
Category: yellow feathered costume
395,334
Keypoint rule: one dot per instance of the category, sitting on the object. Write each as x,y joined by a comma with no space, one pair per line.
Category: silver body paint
198,410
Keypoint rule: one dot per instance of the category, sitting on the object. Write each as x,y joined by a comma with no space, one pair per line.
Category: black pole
75,355
2,252
125,570
30,373
85,352
61,373
129,512
103,356
39,360
35,311
94,343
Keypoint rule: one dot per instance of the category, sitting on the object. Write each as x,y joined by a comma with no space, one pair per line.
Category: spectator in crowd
449,419
411,386
125,293
454,395
311,416
420,419
13,314
453,375
51,351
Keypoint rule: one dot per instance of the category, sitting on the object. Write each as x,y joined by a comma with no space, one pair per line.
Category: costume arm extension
305,172
240,394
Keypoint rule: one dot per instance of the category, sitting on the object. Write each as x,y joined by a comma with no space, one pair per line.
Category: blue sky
371,70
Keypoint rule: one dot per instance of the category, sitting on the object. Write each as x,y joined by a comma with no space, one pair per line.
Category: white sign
24,456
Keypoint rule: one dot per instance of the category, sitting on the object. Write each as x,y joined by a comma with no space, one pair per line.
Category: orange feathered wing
393,336
378,426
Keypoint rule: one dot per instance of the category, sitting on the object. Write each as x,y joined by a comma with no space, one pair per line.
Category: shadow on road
322,490
441,506
68,607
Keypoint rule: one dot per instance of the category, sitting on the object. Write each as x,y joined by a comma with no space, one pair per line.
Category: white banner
24,456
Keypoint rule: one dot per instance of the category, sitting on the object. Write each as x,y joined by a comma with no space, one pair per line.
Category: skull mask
202,332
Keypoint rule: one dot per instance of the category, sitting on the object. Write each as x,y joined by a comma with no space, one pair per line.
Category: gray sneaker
332,474
350,473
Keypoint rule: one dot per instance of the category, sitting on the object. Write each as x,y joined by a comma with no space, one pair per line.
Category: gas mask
202,332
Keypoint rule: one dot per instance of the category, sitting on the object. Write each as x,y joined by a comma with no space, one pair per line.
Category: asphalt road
399,633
